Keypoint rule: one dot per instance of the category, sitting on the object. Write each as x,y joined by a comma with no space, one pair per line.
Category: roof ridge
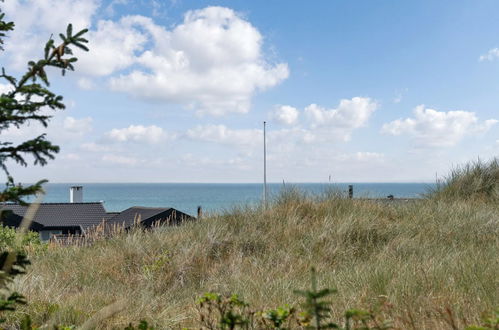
150,207
54,203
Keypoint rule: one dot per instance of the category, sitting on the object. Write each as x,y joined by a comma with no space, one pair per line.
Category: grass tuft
476,181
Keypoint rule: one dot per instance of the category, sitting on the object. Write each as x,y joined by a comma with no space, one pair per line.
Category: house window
47,234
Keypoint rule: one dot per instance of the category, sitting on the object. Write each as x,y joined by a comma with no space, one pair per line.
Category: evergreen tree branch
39,148
26,99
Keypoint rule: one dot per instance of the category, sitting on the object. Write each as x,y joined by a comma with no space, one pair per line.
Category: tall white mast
264,166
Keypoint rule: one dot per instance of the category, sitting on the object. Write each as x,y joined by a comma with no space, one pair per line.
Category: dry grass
422,257
478,181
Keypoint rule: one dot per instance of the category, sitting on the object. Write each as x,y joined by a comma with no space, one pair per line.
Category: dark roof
139,213
109,215
10,219
63,214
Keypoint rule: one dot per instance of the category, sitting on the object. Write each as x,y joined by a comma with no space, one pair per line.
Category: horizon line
275,182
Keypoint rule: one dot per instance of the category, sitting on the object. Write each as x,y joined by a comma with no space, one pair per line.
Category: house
148,217
56,218
77,218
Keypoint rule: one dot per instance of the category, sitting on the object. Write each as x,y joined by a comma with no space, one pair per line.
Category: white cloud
437,128
77,126
322,125
94,147
326,125
113,46
70,156
85,83
491,55
110,7
339,123
36,20
120,160
291,136
368,156
349,114
217,162
286,115
61,129
248,142
224,135
213,62
138,133
363,156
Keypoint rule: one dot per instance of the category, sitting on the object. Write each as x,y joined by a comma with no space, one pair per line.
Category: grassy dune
420,258
477,181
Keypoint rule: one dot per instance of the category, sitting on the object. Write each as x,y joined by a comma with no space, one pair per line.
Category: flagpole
264,166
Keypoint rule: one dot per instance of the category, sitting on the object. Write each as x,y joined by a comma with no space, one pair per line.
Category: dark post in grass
200,212
350,191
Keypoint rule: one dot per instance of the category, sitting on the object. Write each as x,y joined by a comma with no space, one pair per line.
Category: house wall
47,233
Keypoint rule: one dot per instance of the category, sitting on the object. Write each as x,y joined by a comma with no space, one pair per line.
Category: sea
214,197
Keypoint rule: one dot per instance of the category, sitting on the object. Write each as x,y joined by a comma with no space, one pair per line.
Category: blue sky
176,91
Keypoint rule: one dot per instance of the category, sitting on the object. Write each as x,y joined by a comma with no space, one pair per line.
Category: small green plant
489,322
158,264
353,315
219,312
27,324
278,318
316,306
230,312
143,325
361,319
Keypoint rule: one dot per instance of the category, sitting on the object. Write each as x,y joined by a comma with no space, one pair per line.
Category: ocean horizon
214,197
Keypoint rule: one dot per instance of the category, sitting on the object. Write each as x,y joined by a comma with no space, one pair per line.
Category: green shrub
8,239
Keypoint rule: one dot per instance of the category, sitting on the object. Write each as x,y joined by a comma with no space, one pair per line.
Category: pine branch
39,148
4,27
37,69
23,103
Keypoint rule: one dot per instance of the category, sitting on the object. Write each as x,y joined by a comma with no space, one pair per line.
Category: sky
178,90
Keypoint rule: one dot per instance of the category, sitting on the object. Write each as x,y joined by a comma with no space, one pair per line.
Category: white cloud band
437,128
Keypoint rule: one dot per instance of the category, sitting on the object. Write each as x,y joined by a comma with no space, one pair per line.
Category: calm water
212,197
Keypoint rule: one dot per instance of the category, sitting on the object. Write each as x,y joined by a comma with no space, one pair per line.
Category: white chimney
76,194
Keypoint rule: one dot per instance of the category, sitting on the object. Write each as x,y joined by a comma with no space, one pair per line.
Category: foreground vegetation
425,264
422,265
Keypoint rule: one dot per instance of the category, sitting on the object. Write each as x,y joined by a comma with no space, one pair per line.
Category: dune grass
421,259
476,180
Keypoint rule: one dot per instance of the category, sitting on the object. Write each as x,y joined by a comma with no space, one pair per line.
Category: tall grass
473,181
419,258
